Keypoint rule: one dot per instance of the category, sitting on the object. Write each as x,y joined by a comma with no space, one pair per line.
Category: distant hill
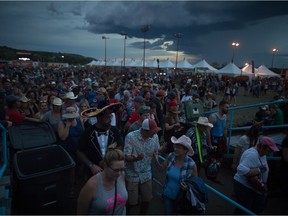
7,53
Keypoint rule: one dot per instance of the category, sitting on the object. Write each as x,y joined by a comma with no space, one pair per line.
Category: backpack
212,168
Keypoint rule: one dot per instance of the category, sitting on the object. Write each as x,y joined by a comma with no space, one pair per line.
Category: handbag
257,183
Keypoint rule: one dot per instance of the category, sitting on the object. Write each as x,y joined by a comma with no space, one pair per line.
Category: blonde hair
112,154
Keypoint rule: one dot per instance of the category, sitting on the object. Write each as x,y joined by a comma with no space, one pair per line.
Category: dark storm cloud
53,8
193,19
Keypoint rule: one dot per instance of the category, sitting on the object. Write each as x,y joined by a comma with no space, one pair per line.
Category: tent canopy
263,71
204,64
230,69
167,64
185,65
247,71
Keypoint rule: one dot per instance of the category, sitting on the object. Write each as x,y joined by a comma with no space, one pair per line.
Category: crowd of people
112,124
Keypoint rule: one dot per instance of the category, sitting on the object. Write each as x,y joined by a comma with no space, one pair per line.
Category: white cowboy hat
71,112
184,141
57,101
204,121
70,95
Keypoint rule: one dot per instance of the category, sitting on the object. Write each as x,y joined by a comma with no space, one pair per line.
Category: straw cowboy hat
204,121
184,141
101,107
71,112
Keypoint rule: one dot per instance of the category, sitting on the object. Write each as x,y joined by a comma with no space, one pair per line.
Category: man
159,101
140,145
96,139
218,133
144,113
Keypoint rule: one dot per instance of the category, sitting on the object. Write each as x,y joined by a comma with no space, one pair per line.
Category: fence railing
247,211
4,150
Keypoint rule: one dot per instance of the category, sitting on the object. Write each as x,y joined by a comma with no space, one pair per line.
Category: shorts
134,188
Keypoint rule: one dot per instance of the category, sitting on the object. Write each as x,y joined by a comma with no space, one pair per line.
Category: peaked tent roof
247,71
263,71
151,64
131,63
204,64
185,65
92,63
230,69
167,64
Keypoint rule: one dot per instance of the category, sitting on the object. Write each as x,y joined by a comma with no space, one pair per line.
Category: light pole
125,38
234,44
105,38
273,54
178,36
144,30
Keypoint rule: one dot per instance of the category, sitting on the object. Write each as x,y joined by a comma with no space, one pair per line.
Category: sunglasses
117,170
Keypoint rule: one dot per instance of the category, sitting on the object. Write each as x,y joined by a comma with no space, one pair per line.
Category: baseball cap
150,125
143,109
160,93
267,141
139,99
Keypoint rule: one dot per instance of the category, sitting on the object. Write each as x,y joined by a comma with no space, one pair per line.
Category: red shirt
134,117
173,103
15,116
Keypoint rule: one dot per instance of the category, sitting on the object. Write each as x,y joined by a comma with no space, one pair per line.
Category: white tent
151,64
230,69
203,64
167,64
92,63
263,71
131,63
185,65
247,71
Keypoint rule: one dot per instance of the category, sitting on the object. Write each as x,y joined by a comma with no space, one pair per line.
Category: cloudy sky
208,29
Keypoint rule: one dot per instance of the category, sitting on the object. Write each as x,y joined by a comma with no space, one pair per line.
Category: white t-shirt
250,159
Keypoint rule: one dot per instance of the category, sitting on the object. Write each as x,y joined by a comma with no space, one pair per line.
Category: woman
172,126
54,116
248,140
253,164
179,167
84,105
43,108
105,192
70,130
25,108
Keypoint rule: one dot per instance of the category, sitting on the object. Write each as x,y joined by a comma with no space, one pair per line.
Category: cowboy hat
204,121
71,112
184,141
70,95
57,101
102,106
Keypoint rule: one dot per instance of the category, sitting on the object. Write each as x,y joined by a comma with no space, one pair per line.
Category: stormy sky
208,29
